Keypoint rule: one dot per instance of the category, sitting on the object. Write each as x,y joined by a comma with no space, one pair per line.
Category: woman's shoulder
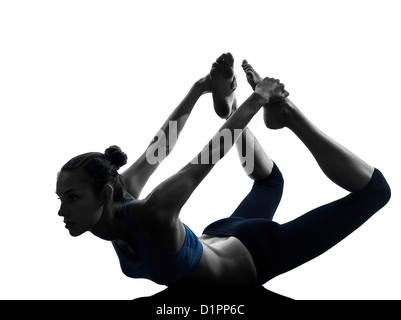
161,234
132,207
140,214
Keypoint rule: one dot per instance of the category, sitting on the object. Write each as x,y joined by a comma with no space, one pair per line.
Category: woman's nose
62,212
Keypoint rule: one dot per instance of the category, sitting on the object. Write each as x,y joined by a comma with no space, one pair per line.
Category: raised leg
338,163
280,248
254,160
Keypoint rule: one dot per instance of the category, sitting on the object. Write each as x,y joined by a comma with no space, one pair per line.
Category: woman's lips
68,224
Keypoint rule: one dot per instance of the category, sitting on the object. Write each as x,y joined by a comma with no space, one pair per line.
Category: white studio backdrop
79,76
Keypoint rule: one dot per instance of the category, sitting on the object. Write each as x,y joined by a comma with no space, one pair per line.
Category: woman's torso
225,261
156,251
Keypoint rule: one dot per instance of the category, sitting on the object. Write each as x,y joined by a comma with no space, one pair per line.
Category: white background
79,76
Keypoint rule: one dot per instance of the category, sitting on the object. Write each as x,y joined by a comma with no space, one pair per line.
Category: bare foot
251,75
224,83
275,114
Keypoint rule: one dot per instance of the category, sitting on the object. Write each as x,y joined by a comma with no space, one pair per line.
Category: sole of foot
223,83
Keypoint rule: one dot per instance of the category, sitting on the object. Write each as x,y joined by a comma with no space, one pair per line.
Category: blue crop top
159,267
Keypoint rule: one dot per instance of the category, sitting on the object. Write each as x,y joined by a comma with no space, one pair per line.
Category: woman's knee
275,179
383,189
377,192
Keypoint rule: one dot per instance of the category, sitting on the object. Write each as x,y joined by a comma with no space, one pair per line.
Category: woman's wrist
258,99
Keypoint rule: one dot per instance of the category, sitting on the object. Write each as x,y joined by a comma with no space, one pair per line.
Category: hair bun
116,156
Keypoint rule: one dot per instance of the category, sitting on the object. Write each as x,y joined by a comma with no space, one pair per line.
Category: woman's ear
108,192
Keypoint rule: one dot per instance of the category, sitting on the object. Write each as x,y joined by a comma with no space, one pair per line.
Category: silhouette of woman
244,250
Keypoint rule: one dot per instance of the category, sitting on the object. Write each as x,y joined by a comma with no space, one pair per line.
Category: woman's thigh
291,244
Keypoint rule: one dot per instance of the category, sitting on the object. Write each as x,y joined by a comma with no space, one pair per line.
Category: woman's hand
271,90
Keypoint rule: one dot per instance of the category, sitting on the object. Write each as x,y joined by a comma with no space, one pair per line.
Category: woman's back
225,262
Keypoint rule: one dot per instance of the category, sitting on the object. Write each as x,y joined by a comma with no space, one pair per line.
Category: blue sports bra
159,267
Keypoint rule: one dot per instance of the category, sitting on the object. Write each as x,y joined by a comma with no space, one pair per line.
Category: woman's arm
167,199
136,176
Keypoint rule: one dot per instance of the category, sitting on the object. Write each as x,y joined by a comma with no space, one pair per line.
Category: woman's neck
111,226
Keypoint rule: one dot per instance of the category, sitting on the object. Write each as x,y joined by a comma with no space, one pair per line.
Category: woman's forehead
67,180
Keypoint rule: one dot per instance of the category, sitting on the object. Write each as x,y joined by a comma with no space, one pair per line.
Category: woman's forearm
181,114
137,175
167,136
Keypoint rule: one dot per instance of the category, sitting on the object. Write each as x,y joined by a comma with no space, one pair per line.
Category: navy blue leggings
277,248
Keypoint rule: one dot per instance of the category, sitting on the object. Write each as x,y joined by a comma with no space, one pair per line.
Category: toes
221,58
224,66
226,57
229,59
247,67
245,64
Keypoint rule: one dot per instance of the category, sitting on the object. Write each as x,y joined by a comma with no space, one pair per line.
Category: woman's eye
73,197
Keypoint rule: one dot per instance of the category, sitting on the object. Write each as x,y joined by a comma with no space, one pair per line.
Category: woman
243,250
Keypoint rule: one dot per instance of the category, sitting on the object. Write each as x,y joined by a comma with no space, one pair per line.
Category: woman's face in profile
80,206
